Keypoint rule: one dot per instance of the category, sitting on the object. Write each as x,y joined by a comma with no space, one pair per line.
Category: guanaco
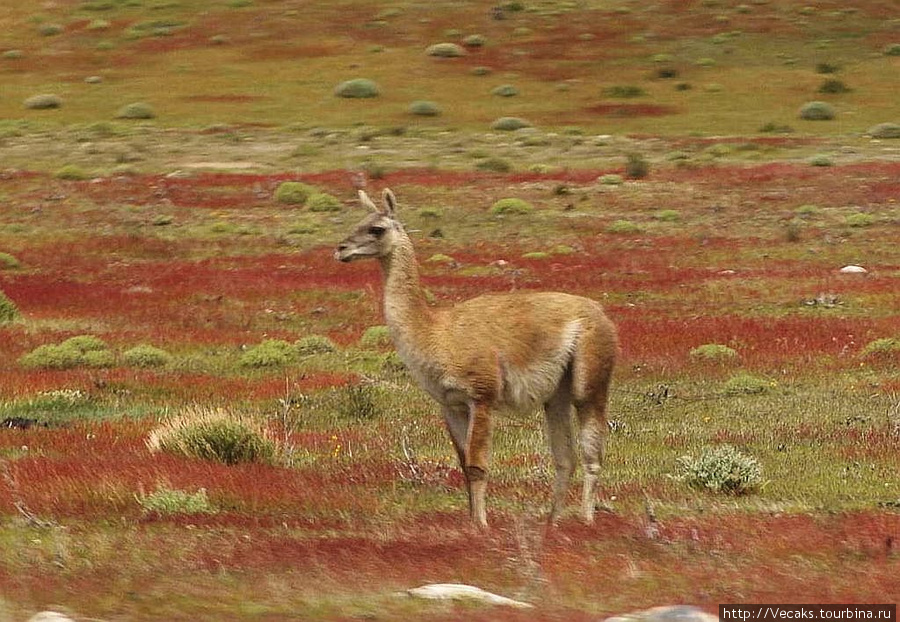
516,350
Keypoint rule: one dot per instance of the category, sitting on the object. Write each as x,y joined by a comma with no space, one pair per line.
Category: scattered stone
456,591
675,613
853,270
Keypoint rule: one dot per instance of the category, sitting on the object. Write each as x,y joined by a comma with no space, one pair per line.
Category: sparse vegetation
714,353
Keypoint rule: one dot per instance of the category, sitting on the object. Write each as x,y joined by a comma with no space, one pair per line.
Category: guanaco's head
374,236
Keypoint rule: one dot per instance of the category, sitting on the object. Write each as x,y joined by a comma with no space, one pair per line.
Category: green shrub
859,220
892,50
293,192
817,111
98,359
636,167
475,41
46,101
8,262
358,88
721,469
882,350
52,356
826,68
623,227
624,92
8,309
744,383
446,50
314,344
375,337
50,30
714,352
214,434
611,179
323,202
71,172
136,111
494,165
511,206
146,356
505,90
13,54
424,108
834,87
85,343
481,71
667,215
509,124
269,353
167,501
885,130
821,160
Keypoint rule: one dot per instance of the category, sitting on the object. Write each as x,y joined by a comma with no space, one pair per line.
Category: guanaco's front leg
478,455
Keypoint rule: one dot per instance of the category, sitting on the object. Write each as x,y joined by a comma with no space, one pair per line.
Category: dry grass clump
215,434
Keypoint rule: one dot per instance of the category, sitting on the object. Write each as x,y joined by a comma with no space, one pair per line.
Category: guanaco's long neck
405,309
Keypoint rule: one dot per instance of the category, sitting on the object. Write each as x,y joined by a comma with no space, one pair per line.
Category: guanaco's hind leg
558,413
593,432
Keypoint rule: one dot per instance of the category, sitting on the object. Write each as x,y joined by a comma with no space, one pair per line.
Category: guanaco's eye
376,231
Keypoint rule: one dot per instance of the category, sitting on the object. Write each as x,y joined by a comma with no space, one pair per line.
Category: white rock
853,270
49,616
456,591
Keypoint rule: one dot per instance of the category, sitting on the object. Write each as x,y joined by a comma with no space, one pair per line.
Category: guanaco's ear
390,203
367,202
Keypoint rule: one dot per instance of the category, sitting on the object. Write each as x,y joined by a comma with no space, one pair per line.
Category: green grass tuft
216,435
167,501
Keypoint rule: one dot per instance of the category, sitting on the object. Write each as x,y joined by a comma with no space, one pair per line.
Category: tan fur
518,351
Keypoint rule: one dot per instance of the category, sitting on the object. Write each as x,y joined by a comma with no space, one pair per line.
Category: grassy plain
165,232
